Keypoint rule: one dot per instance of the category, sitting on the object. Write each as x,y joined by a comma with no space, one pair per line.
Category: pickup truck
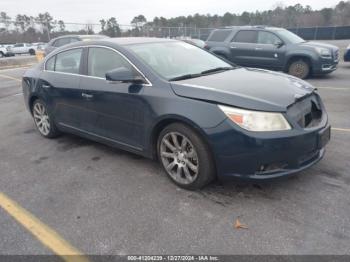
24,48
5,51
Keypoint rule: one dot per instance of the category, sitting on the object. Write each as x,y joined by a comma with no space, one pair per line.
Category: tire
299,68
1,55
31,51
43,120
187,162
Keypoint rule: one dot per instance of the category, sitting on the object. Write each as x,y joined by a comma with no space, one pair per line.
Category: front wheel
185,157
1,54
43,121
32,52
299,68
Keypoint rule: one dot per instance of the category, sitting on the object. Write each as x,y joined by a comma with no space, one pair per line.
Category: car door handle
258,48
88,96
45,86
233,47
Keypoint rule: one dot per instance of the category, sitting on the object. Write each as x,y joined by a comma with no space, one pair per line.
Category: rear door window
62,41
50,64
246,36
219,35
69,61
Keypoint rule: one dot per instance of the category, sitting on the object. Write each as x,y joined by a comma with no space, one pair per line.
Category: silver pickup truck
6,51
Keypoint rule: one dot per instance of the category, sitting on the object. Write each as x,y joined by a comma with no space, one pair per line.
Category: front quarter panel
30,81
165,105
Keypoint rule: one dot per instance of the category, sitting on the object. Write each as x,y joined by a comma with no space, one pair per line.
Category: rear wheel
31,51
185,157
299,68
43,121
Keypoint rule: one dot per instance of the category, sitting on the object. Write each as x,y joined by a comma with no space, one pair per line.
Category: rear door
60,81
243,48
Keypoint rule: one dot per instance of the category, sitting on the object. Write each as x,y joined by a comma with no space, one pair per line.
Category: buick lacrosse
200,116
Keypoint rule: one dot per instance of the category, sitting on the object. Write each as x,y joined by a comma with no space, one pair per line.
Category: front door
269,51
117,109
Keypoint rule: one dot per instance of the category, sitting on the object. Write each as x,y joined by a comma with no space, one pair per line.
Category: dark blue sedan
202,117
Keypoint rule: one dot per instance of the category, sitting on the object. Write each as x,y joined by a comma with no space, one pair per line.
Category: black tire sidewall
206,172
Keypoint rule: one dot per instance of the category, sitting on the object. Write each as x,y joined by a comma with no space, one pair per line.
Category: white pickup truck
5,51
24,48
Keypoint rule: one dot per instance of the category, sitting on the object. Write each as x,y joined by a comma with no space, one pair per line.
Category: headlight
324,52
256,120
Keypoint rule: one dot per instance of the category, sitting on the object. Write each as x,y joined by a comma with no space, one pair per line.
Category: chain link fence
33,31
323,33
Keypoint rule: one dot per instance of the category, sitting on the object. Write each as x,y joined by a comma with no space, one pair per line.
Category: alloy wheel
179,158
41,118
299,69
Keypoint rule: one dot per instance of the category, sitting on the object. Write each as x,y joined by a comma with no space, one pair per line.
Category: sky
87,11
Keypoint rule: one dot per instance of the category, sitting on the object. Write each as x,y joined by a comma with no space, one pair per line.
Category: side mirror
124,75
279,44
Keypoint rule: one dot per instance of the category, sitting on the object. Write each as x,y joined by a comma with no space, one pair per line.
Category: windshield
175,59
290,37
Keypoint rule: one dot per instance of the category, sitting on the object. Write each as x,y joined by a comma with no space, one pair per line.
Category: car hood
254,89
317,44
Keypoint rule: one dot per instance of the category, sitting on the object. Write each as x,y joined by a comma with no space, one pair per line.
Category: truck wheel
299,68
31,51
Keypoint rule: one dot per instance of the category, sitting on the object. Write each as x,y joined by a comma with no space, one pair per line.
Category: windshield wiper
217,69
209,71
184,77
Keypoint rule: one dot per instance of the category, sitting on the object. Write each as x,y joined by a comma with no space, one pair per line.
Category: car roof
82,36
113,42
251,27
137,40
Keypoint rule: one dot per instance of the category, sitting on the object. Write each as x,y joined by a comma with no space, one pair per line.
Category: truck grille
307,112
336,55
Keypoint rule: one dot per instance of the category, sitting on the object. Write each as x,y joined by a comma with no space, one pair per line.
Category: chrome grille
336,55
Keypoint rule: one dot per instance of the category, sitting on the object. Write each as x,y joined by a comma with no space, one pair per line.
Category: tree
90,29
5,19
45,20
61,25
139,21
245,18
112,27
327,14
103,25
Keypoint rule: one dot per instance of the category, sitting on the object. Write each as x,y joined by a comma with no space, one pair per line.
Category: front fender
300,53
